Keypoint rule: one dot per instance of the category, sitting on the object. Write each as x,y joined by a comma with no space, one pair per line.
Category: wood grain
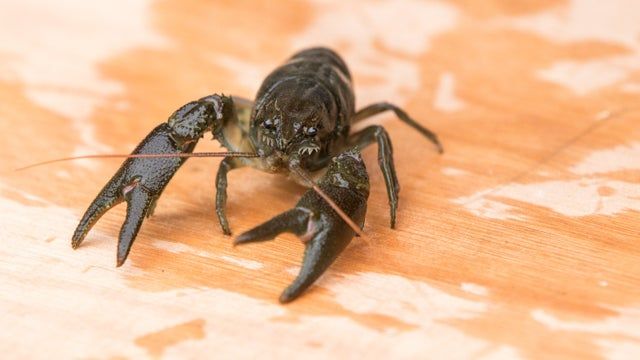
519,242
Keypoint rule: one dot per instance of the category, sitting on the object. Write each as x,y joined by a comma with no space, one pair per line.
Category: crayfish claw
139,203
144,175
319,254
324,233
293,221
139,181
110,196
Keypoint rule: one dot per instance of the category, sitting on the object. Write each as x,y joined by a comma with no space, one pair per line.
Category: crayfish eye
311,131
268,124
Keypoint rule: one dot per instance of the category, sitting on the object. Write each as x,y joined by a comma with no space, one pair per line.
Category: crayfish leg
378,134
227,164
380,107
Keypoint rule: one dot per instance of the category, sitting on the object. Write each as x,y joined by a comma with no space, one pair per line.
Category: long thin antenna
182,155
297,169
329,201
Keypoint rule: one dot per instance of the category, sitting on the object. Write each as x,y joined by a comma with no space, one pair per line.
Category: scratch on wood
603,118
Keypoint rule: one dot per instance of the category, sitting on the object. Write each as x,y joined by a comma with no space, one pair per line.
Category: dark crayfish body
301,119
324,233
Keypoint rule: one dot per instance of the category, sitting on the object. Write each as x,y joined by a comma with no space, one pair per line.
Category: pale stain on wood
156,342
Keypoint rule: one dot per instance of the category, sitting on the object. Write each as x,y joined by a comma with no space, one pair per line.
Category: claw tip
239,240
75,243
120,261
285,298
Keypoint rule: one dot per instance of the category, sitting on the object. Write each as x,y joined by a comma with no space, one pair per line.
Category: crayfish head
191,121
295,120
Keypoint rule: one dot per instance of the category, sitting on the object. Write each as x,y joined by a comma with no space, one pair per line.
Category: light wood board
521,241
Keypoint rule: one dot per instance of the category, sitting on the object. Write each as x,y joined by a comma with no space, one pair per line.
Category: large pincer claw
140,181
323,231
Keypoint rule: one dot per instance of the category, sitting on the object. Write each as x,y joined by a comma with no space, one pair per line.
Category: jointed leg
226,165
378,134
377,108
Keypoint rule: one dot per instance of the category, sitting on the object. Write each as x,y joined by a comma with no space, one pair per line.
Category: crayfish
299,125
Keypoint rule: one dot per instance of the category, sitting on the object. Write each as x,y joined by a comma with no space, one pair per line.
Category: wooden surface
521,241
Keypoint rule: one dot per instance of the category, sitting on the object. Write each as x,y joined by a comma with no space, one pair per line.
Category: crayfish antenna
131,156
